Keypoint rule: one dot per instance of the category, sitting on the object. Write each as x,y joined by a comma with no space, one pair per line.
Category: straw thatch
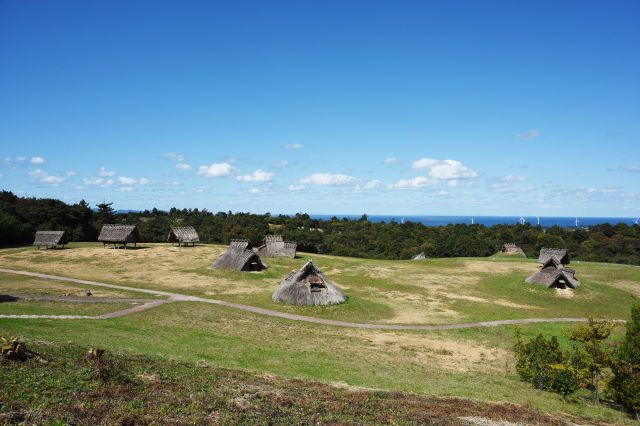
238,257
419,256
50,238
275,246
560,256
308,286
553,277
119,235
183,235
512,249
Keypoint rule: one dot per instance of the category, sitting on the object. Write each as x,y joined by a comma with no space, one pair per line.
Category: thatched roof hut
559,256
308,287
419,256
239,258
119,235
512,249
553,277
275,246
183,235
50,238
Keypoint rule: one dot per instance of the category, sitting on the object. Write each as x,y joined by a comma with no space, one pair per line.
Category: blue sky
461,107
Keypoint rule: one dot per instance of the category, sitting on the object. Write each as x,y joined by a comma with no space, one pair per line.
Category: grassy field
472,363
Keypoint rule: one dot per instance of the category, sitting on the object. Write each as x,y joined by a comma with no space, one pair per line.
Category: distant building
512,249
419,256
50,239
275,246
119,235
183,235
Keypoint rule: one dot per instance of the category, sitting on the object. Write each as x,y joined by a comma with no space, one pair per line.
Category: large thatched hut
512,249
119,235
419,256
553,277
50,239
275,246
553,273
308,286
238,257
183,235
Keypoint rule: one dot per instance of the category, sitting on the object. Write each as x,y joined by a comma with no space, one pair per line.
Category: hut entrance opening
316,284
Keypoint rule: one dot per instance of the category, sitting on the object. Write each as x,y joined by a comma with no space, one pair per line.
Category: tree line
21,217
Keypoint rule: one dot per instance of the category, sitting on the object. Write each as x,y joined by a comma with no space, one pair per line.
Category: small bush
13,349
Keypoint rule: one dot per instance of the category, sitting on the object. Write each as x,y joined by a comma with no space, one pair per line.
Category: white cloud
93,181
390,160
327,179
21,159
528,135
45,177
296,187
144,181
70,173
36,160
201,189
216,170
444,169
183,166
293,146
443,192
282,163
7,160
508,188
416,182
127,181
125,189
513,178
452,184
369,185
105,173
172,156
257,176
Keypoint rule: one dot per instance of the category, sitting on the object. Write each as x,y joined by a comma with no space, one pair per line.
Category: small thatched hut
183,235
308,286
512,249
119,235
553,277
275,246
419,256
238,257
50,239
558,256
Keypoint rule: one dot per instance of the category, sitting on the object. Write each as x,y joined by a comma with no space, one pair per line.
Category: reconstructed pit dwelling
275,246
553,273
512,249
308,286
239,258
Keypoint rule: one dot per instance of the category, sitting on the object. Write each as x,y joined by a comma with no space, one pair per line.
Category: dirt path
175,297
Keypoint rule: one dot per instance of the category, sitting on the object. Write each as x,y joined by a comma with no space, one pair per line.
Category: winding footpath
176,297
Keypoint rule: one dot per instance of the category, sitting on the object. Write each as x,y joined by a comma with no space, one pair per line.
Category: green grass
218,336
39,307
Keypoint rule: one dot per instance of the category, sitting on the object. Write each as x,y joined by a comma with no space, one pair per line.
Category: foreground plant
13,349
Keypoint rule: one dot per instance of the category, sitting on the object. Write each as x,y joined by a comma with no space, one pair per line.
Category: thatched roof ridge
512,248
561,256
555,278
275,246
239,258
119,234
308,286
50,238
183,235
419,256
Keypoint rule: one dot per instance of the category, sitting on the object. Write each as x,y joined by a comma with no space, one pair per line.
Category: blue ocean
544,221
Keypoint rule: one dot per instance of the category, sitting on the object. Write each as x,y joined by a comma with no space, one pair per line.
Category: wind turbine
538,217
472,221
521,220
638,221
577,222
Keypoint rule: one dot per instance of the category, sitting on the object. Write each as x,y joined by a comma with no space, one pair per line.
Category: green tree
535,358
591,355
624,387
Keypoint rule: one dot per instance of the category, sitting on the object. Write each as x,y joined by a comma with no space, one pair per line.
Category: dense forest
21,217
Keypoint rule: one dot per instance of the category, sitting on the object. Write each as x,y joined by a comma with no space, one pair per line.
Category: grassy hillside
471,363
